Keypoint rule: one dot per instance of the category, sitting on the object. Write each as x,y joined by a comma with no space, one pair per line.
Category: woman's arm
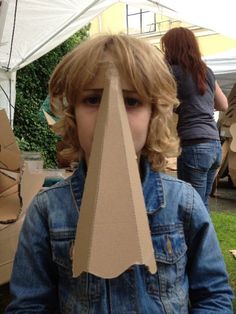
221,102
34,277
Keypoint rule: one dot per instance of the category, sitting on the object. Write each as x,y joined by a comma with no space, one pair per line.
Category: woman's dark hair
180,47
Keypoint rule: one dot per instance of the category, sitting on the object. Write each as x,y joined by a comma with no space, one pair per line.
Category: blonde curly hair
146,69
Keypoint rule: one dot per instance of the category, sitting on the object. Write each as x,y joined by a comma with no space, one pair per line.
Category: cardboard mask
113,232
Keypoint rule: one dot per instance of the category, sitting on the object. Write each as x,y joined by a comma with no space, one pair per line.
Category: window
140,21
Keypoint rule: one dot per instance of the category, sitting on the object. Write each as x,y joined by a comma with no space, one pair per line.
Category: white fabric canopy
224,66
31,28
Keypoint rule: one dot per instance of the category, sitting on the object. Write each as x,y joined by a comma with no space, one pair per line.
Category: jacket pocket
61,243
170,253
83,288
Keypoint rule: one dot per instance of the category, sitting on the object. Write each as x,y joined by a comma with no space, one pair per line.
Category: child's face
86,111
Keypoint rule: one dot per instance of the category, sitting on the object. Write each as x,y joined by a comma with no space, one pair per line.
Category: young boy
191,274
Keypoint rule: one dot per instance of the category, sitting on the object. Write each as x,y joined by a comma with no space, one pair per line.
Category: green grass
225,226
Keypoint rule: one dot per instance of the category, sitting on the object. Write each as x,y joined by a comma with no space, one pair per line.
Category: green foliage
31,90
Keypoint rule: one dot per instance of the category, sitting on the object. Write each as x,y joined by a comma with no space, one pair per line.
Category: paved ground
225,197
224,200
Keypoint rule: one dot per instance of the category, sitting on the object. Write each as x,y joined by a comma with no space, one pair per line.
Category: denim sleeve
209,289
33,281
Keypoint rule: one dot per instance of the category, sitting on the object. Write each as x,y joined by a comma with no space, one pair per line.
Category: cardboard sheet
233,135
113,231
10,158
228,130
232,166
7,180
10,161
10,205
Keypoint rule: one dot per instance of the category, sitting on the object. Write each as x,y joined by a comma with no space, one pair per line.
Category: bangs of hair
135,59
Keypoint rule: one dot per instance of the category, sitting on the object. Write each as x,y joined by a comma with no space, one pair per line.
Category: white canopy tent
31,28
224,66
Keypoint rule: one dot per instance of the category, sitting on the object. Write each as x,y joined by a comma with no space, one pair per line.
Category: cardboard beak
113,231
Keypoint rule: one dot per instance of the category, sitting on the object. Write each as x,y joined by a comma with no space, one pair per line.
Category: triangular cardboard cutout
10,158
113,232
49,118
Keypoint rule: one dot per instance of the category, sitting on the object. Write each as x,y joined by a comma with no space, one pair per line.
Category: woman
199,95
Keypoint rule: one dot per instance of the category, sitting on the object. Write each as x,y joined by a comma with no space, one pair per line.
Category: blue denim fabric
198,164
189,262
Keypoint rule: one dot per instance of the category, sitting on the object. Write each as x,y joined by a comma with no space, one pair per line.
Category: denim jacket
191,275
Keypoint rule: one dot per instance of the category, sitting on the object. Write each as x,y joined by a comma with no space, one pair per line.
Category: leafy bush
31,132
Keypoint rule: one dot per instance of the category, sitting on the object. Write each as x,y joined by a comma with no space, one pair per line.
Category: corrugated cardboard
11,210
10,158
228,131
232,95
230,115
232,166
231,120
232,154
113,232
10,161
233,135
7,180
12,214
10,205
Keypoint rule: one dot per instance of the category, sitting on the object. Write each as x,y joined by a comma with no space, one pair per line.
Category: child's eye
132,102
92,100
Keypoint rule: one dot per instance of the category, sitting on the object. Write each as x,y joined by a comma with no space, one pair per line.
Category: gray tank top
196,111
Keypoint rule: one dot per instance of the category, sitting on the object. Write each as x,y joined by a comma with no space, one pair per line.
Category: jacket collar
77,182
152,187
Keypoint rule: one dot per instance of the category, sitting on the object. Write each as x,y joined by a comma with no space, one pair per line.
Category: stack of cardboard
10,202
15,195
228,132
10,161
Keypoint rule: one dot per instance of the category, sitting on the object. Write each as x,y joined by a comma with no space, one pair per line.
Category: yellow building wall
113,20
215,43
